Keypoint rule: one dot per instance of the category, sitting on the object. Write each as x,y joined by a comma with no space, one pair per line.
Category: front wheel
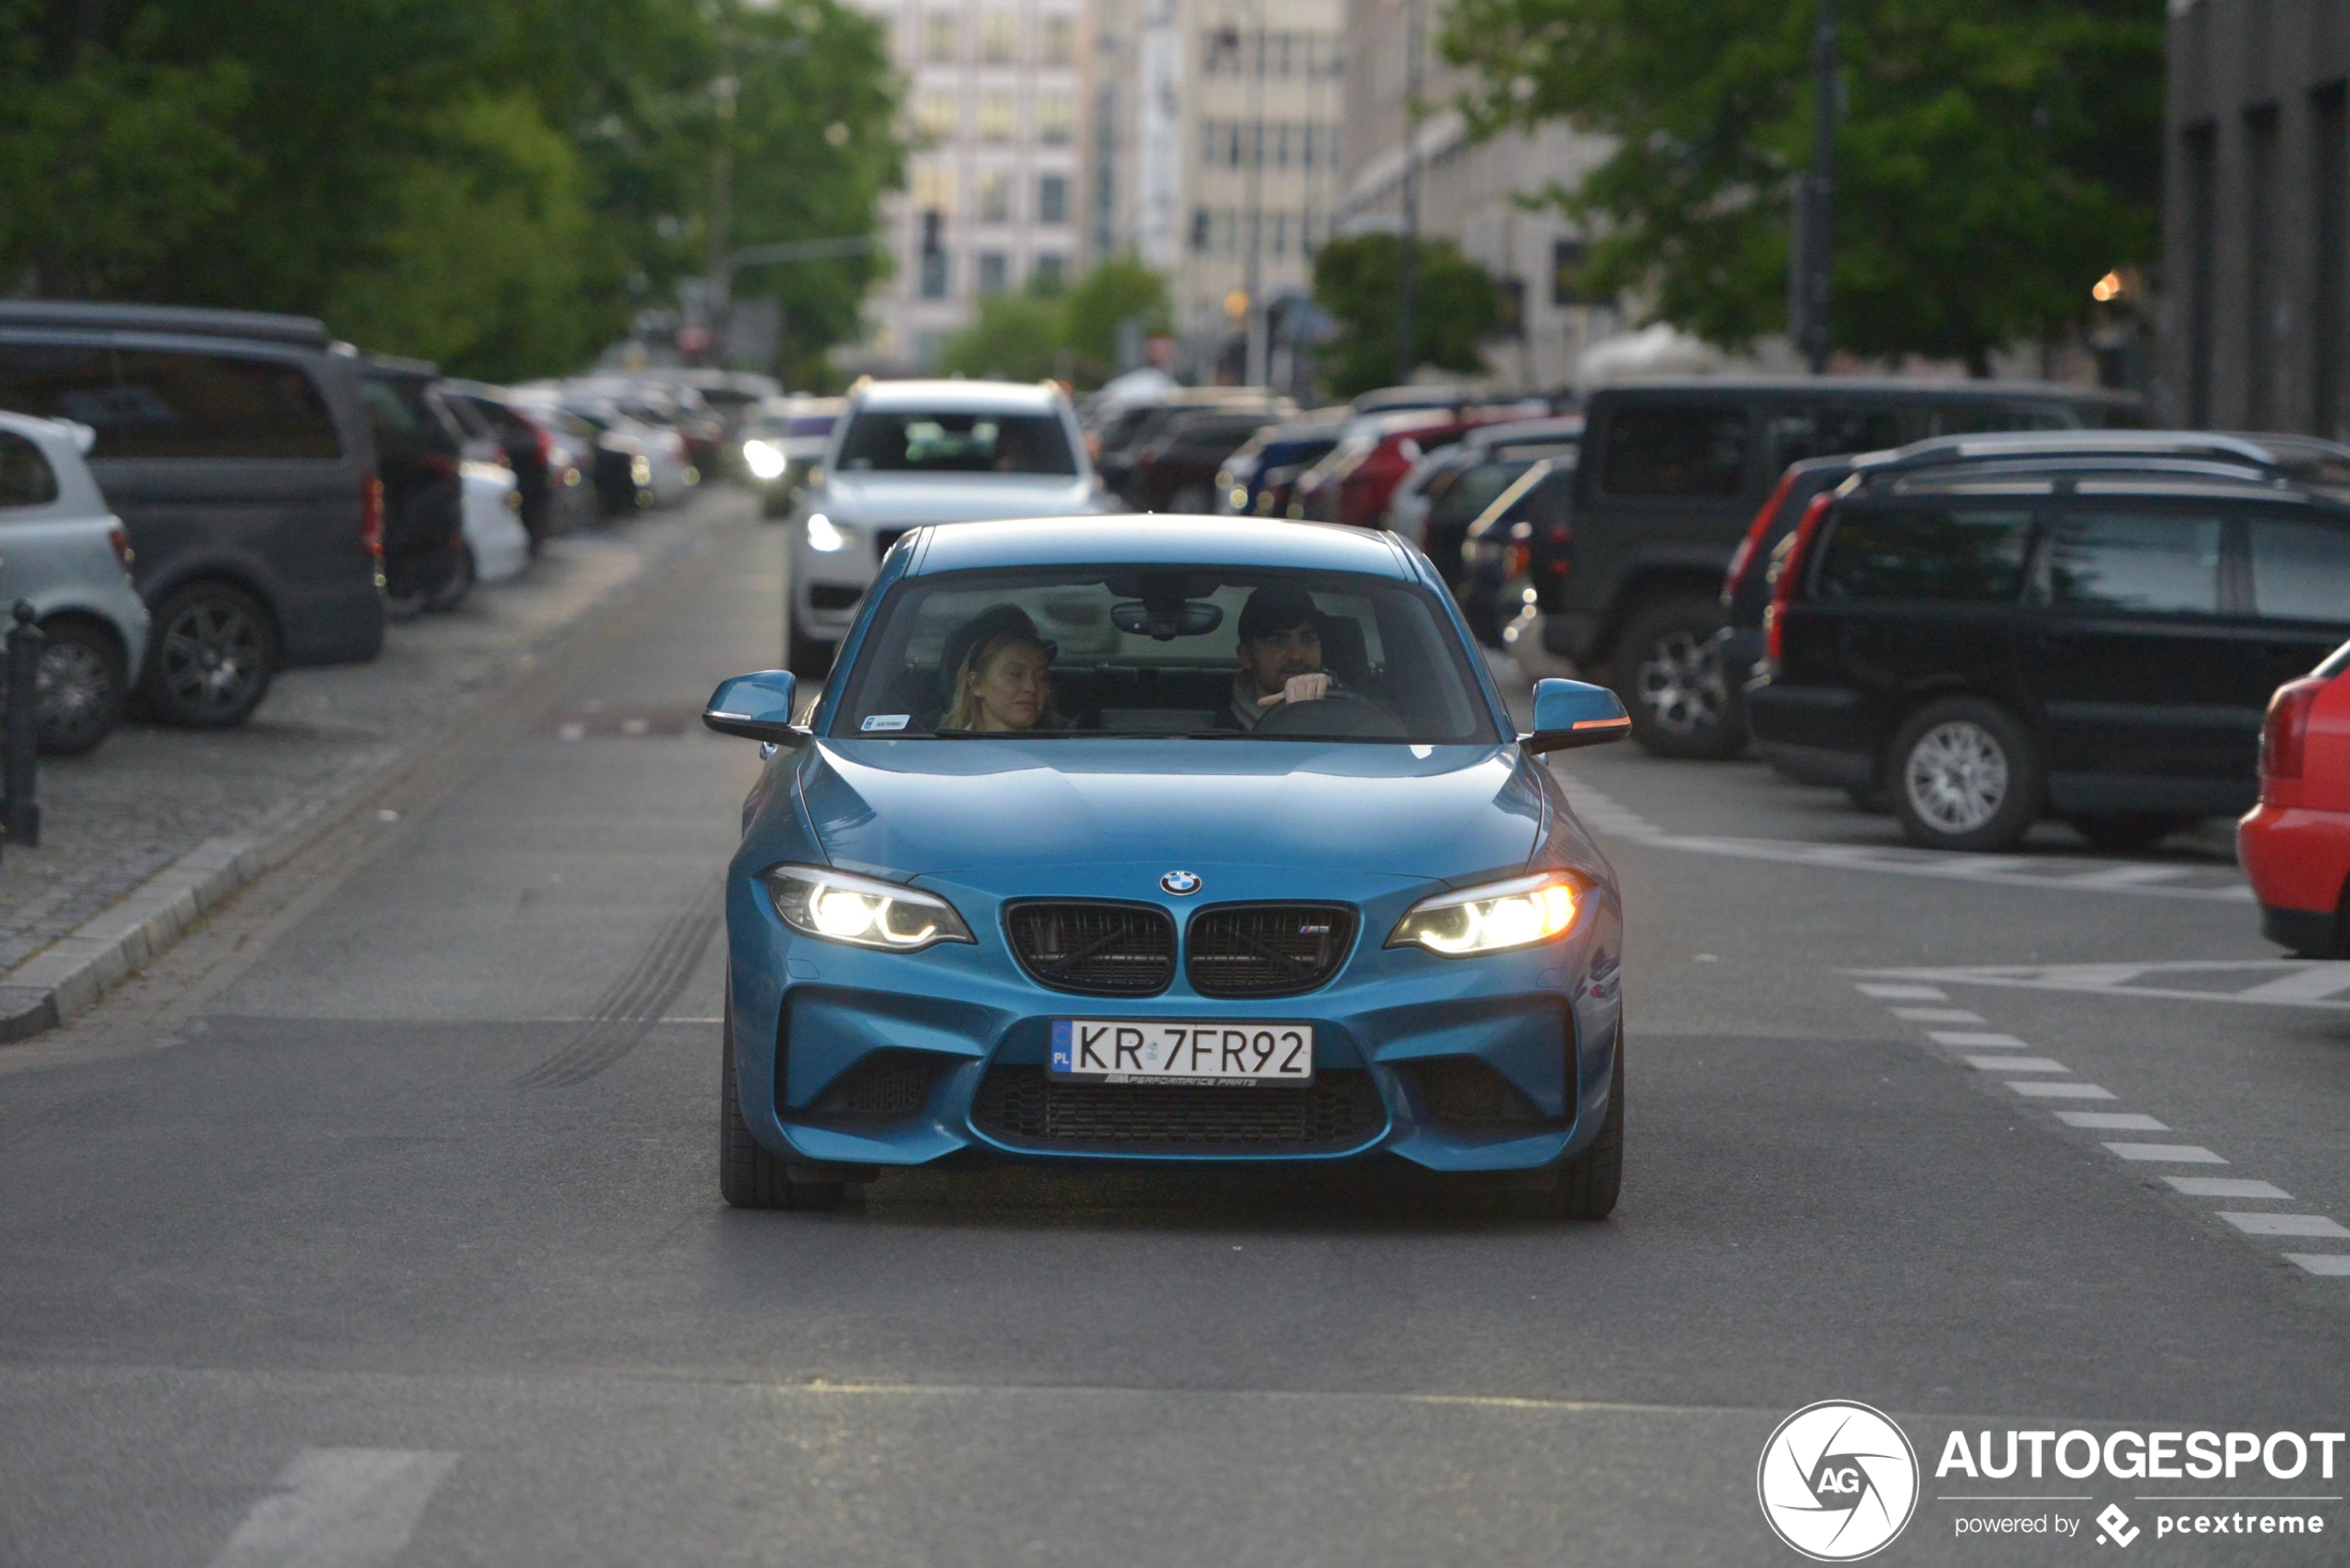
82,686
1590,1183
749,1177
211,658
1668,671
462,574
1964,774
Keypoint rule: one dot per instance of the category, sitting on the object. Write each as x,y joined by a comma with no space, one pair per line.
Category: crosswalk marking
2166,1153
2045,1091
2226,1187
2016,1064
2111,1121
338,1508
2311,982
2333,1264
2265,1224
1974,1041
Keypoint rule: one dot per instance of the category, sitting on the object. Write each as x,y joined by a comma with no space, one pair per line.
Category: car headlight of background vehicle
861,912
1491,918
765,459
824,533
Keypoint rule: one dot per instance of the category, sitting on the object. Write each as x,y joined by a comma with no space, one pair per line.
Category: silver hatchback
63,552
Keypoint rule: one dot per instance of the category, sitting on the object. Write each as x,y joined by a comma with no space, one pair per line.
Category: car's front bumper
1544,1020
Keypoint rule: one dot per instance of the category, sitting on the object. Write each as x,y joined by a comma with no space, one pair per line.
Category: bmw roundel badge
1180,883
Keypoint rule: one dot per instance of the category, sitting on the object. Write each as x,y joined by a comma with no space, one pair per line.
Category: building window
995,193
1052,198
994,272
939,34
934,276
935,115
1056,118
1059,45
1220,51
932,187
999,37
1052,271
999,116
1280,234
1200,224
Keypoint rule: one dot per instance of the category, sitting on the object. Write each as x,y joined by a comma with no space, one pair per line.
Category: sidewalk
141,835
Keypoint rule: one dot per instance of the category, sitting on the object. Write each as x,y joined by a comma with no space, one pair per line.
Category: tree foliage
1071,334
500,184
1456,309
1995,157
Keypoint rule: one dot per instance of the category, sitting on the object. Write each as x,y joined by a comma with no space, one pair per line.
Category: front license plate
1126,1051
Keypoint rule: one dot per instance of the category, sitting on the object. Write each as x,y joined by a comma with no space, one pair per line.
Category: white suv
904,453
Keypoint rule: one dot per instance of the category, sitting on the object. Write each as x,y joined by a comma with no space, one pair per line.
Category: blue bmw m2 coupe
1166,839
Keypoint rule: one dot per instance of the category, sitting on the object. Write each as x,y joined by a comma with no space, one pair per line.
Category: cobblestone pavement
149,795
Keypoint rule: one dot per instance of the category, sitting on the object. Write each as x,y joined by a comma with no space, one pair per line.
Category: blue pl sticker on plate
1064,1058
884,722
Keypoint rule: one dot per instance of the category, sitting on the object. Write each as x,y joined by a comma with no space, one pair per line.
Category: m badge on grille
1180,883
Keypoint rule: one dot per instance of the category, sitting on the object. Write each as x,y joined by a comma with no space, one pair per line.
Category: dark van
1671,473
1984,646
235,449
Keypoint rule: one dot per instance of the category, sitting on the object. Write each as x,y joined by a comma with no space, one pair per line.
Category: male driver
1280,654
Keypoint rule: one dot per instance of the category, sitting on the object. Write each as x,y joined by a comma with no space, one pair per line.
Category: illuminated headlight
1240,498
1493,918
641,470
861,912
765,459
822,535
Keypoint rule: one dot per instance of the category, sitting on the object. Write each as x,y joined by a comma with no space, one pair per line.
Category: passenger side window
26,478
1887,552
1975,419
1696,450
215,405
1836,430
57,381
2300,571
2145,563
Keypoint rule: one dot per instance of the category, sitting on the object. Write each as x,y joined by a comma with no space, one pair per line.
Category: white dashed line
2062,1090
2287,1225
1967,1040
2113,1121
338,1508
2166,1153
1937,1015
2334,1264
2264,982
2226,1187
2016,1064
1904,993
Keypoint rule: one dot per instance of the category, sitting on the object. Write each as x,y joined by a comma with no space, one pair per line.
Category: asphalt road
377,1224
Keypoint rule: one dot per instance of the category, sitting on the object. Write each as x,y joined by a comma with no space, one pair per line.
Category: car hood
911,499
905,809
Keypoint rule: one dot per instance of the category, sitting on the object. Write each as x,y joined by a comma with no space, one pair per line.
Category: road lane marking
2336,1265
2273,983
2113,1121
1937,1015
338,1508
2125,876
2287,1225
2311,982
1904,993
2226,1187
2062,1090
1975,1041
2016,1064
2166,1153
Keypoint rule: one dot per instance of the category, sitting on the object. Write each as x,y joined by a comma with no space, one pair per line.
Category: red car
2295,844
1353,484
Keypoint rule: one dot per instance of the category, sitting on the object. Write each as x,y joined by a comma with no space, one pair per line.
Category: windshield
946,441
1176,651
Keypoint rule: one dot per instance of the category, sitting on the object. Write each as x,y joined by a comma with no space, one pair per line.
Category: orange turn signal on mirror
1603,724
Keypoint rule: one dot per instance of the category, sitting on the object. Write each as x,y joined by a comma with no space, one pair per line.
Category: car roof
1873,386
181,320
1557,427
1152,540
1026,396
2187,481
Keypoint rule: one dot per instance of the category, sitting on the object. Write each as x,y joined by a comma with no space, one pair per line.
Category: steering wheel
1339,713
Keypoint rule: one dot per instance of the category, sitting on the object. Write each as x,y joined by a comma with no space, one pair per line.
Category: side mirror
1570,714
756,708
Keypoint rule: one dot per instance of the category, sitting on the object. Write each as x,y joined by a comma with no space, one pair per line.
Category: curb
67,978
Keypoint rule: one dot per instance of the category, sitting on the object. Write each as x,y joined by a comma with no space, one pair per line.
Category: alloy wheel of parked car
82,685
1669,673
1964,776
214,654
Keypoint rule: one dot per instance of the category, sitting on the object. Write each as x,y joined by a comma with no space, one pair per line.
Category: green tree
1996,157
1456,309
1115,291
1015,338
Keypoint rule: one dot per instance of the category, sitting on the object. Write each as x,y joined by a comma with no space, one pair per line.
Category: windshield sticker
886,721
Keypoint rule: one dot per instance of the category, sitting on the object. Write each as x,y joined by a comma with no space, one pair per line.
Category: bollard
20,810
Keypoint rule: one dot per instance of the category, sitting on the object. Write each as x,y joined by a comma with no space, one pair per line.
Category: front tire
1964,774
462,574
749,1177
1668,671
211,658
83,683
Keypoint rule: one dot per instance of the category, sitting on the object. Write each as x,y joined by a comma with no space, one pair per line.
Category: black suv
234,448
1673,471
1986,643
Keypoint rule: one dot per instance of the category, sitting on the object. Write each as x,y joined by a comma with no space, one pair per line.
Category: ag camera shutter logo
1838,1481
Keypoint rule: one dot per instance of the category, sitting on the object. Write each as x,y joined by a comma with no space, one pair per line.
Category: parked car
1672,474
2295,844
909,453
1990,643
1353,484
783,443
497,545
547,487
1176,471
1132,425
1438,502
1360,925
69,557
1257,479
420,451
235,448
1494,565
